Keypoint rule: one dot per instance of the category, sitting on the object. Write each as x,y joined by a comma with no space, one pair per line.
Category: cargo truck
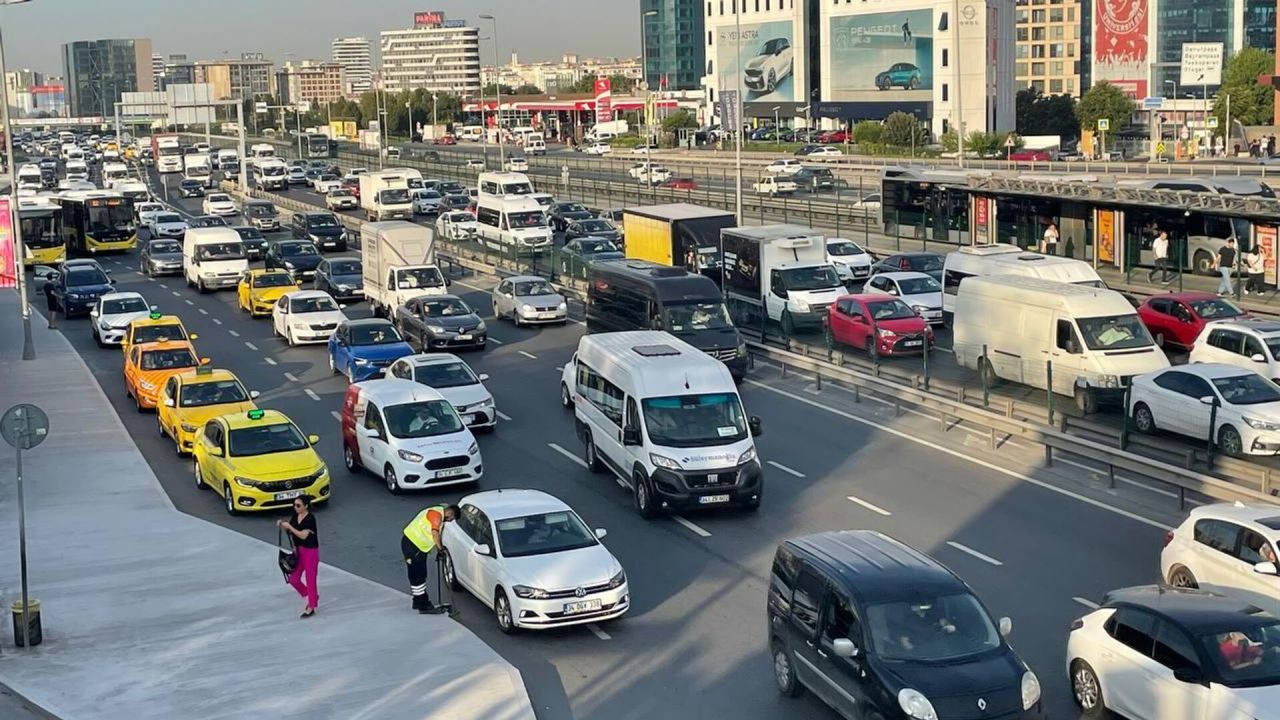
778,272
167,152
197,166
680,234
398,261
384,195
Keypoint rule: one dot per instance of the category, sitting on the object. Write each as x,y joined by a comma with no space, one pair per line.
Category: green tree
903,129
868,132
488,90
1251,103
621,83
1105,100
677,120
1039,114
585,84
527,89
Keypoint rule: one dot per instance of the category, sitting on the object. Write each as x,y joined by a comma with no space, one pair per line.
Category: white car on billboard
771,66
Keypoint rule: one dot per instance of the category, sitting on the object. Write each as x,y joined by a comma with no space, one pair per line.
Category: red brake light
1168,538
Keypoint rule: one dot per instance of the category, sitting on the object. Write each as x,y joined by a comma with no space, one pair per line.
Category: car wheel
589,450
1086,400
450,577
97,338
502,609
788,325
773,80
349,458
392,482
199,477
1229,441
784,672
869,347
1181,577
1087,690
229,500
913,83
566,400
1143,420
643,496
1202,261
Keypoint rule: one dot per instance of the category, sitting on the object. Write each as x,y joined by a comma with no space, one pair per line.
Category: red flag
10,263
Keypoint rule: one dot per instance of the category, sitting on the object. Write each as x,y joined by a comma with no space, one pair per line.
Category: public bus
317,146
97,221
41,224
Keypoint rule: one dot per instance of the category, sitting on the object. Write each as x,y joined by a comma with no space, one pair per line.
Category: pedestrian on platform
1253,263
51,304
306,543
1160,249
1050,244
1225,263
421,538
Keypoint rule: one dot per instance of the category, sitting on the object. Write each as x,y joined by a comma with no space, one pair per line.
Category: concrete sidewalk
151,613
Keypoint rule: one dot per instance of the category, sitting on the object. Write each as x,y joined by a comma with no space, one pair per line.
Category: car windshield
918,286
275,279
294,249
695,420
167,359
428,195
931,629
1215,308
378,334
158,333
168,218
323,221
1114,333
1248,656
570,208
414,278
347,267
149,207
341,193
461,217
543,533
219,199
693,316
534,288
265,439
591,247
124,305
529,219
394,195
80,277
844,248
444,307
313,304
220,251
164,247
925,263
422,419
890,310
220,392
206,221
1251,389
444,375
818,277
595,226
254,210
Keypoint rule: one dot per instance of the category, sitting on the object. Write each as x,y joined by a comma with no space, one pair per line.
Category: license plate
452,472
288,495
912,343
469,418
713,499
581,606
464,337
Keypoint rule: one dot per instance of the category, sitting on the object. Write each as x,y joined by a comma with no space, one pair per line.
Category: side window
1173,649
171,388
1196,387
604,395
210,432
483,529
467,521
505,287
1217,534
398,370
1133,628
844,307
633,413
283,303
1067,339
373,418
804,605
951,281
1251,544
775,283
1160,305
1253,346
782,579
838,620
1228,340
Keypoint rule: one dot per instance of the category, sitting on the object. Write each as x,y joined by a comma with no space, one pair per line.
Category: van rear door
1036,343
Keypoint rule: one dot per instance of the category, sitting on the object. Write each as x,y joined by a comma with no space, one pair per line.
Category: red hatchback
834,136
878,324
676,183
446,140
1176,319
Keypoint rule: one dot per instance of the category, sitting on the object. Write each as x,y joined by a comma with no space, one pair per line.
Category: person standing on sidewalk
1225,263
51,305
1050,244
421,538
1253,263
1160,249
306,543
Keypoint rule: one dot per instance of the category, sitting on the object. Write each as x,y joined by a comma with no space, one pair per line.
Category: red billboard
10,263
604,100
1120,49
431,18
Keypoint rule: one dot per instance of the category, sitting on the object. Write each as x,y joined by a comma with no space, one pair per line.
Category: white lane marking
151,279
580,322
1087,603
956,454
135,272
531,356
250,345
472,287
176,293
216,321
870,506
787,470
290,377
691,527
202,311
336,415
311,394
975,553
595,630
496,340
503,416
234,333
190,302
559,368
566,453
166,287
269,361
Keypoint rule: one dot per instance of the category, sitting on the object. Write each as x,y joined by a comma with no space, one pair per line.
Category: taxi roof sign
204,369
154,315
256,414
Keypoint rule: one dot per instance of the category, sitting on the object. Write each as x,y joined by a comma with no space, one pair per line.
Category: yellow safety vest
419,529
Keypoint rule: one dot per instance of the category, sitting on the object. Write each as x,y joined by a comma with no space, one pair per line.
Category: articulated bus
41,223
97,221
317,146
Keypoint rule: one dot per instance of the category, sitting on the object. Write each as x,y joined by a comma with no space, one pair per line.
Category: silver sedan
529,300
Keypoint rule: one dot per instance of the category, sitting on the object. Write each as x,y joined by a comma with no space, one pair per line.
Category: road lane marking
290,377
496,340
531,356
234,333
176,293
135,272
975,553
216,321
691,527
250,345
1087,603
190,303
311,394
503,416
870,506
785,469
202,311
269,361
166,287
566,453
336,415
595,630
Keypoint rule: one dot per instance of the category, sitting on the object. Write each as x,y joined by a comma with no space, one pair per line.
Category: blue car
362,349
77,288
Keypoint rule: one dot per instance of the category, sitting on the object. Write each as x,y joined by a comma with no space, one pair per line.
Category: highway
1037,544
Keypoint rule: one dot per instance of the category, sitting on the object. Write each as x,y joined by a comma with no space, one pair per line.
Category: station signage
430,18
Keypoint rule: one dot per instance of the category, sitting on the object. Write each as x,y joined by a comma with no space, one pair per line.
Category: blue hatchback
362,349
76,289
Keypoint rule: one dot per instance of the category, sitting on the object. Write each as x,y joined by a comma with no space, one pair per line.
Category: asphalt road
1033,544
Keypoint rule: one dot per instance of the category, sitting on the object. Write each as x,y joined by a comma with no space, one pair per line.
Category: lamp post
777,130
1177,135
497,91
737,131
19,249
955,57
409,106
644,75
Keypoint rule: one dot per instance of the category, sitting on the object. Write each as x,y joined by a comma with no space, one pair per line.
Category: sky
302,29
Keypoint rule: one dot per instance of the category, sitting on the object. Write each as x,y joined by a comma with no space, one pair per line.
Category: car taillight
1168,538
1077,623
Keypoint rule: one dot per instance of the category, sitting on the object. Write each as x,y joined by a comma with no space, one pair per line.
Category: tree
903,129
621,83
527,89
1039,114
868,132
489,90
1251,103
585,84
677,120
1105,100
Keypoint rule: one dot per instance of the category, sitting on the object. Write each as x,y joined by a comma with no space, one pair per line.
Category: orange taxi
147,367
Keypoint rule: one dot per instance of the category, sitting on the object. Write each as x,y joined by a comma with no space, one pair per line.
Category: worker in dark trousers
51,304
421,538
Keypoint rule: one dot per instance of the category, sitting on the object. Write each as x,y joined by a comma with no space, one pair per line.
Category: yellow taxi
193,397
155,328
259,290
258,460
148,366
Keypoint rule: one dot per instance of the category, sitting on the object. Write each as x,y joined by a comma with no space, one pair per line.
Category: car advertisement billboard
1120,49
880,57
768,60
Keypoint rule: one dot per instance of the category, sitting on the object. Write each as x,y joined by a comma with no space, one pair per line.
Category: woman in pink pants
306,543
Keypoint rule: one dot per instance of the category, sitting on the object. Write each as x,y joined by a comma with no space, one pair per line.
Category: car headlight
618,580
1109,381
800,306
188,427
885,332
344,288
412,457
529,593
526,308
563,306
663,461
361,361
919,309
146,385
437,329
246,482
473,449
916,705
288,265
1030,690
747,456
742,349
104,325
481,327
1262,424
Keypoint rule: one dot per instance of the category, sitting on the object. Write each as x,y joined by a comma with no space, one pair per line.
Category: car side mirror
1258,358
447,282
780,293
844,647
1266,568
631,436
168,402
483,377
755,426
313,439
93,313
193,336
482,549
253,394
601,533
1206,400
1006,626
1188,675
215,452
370,432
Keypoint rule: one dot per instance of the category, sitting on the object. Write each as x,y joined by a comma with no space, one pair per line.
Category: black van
879,630
643,295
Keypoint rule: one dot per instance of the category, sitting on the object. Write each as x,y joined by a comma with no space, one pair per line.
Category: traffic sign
1104,124
1008,141
1160,148
1213,122
24,426
260,108
1152,103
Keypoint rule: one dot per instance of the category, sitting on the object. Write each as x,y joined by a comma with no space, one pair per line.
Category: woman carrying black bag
306,550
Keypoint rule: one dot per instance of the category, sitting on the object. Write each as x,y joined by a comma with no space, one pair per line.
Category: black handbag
288,558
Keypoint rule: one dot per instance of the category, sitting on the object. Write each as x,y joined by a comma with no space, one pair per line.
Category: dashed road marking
966,549
870,506
176,293
234,333
496,340
531,356
202,311
1086,602
250,345
787,470
595,630
566,453
269,361
693,528
336,415
216,321
503,416
290,377
166,287
311,394
190,303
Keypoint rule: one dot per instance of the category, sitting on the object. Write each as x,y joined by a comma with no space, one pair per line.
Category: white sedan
851,261
920,292
644,149
147,212
1181,400
112,315
219,204
456,225
306,316
823,151
448,375
530,558
326,183
474,164
784,166
598,149
167,224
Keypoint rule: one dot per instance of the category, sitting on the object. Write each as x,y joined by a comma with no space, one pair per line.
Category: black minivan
879,630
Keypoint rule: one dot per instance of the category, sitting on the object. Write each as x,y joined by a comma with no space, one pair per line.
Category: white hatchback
1249,344
218,204
112,315
919,291
1181,400
448,375
533,561
1228,548
851,261
306,316
784,166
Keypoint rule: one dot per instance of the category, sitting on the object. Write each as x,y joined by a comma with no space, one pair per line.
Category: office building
178,70
249,77
157,70
357,64
97,72
1049,53
311,81
48,100
436,54
674,48
18,80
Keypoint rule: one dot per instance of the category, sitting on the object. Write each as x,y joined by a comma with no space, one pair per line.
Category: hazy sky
300,29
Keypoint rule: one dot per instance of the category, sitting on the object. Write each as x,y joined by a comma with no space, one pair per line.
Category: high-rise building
1049,52
178,70
98,71
435,54
674,44
314,82
19,80
249,77
157,70
357,64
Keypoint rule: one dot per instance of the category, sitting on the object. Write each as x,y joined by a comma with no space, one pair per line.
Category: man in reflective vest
421,537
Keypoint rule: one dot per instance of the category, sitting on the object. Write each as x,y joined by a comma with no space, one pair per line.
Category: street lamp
644,58
777,130
19,249
1177,131
409,106
737,131
497,91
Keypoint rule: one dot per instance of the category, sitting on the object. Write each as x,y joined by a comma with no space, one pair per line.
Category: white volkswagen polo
306,316
448,375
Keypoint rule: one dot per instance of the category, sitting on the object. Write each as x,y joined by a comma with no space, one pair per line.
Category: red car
676,183
1030,156
878,324
446,140
834,136
1176,319
353,185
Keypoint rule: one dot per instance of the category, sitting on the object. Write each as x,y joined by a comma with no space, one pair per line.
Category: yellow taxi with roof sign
155,328
191,398
259,290
258,460
148,366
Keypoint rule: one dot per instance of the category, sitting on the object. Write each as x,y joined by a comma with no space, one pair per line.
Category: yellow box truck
679,234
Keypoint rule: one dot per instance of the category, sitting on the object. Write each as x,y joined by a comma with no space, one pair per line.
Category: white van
501,184
213,258
664,418
1001,259
516,223
1092,335
535,144
77,170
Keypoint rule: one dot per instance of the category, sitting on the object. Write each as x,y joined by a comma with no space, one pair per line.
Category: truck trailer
778,272
679,234
398,261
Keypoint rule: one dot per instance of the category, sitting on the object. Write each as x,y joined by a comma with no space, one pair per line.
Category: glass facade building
1188,21
674,46
97,72
1260,24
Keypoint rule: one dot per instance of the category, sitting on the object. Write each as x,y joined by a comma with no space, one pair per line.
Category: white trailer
398,259
384,195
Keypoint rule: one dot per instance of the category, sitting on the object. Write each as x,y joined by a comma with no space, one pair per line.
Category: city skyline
29,42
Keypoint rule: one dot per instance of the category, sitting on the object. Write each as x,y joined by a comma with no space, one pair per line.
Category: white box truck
384,195
398,258
197,166
213,258
781,271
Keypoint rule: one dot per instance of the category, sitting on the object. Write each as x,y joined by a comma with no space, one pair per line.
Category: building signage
604,100
981,219
1120,47
883,57
453,23
1201,64
10,263
729,109
761,57
1265,236
429,19
1106,240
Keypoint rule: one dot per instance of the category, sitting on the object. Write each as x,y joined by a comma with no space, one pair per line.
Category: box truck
273,173
384,195
167,152
198,166
778,272
679,234
399,263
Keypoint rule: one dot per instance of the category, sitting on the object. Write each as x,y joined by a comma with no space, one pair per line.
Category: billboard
882,57
10,263
604,100
768,61
428,19
1120,48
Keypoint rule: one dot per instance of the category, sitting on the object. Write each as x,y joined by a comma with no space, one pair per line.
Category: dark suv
321,228
877,629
